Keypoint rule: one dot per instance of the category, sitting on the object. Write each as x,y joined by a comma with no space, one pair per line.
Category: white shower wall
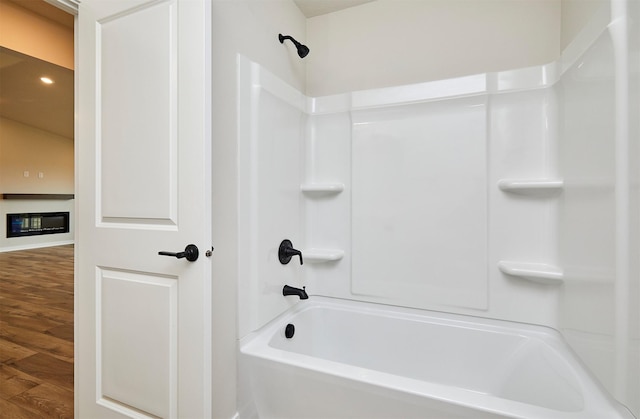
490,195
418,187
397,199
270,126
421,220
599,213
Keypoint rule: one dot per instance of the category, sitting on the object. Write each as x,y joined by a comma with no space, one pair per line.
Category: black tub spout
287,290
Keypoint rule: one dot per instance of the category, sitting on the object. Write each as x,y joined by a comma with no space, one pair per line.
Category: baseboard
35,246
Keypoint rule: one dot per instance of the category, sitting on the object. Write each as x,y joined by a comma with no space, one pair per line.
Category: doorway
36,177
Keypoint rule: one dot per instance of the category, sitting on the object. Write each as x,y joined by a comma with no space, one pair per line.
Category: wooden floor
36,333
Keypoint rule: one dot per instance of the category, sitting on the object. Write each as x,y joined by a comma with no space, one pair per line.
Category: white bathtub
358,360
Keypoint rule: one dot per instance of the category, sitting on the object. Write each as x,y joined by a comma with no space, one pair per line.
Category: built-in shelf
530,186
322,255
322,188
535,272
37,196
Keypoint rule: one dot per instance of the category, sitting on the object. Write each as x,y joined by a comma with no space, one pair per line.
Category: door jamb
72,7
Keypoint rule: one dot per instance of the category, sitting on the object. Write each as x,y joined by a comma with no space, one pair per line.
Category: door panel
138,119
144,344
131,339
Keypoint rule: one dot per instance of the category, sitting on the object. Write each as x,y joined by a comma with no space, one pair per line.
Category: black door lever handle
191,253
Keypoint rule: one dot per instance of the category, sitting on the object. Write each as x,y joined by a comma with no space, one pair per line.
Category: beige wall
575,15
250,28
396,42
31,34
24,148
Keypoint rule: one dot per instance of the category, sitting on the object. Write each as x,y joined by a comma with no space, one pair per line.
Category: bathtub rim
596,400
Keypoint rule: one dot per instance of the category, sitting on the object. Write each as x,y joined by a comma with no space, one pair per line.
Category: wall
460,20
575,15
450,196
396,42
27,149
329,136
422,221
249,28
29,33
271,129
407,177
599,305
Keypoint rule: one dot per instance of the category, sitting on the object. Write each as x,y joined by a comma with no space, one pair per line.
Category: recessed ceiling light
46,80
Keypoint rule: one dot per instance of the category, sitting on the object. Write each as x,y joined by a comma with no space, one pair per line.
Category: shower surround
497,195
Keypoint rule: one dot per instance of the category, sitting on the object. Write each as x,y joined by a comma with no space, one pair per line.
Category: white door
143,342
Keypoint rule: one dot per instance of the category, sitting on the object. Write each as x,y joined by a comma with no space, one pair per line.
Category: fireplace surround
37,223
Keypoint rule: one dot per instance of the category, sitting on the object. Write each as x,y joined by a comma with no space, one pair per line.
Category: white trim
35,246
69,6
618,29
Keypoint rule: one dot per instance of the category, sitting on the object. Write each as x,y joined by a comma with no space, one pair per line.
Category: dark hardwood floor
36,333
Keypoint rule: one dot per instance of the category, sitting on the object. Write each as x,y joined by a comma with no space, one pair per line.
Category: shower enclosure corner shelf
322,188
530,186
322,255
541,273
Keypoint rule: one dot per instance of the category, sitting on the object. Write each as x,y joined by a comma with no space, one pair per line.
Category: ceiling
24,98
311,8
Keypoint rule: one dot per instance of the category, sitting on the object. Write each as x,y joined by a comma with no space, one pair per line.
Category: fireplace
34,224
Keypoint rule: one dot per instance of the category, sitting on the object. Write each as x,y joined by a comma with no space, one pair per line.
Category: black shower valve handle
286,252
294,252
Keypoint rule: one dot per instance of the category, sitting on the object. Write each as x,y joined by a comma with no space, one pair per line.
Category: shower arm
303,50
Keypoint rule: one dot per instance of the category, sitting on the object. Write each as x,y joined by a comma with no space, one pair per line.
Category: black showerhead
303,51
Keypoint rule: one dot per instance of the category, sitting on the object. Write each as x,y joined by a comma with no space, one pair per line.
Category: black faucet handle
286,252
